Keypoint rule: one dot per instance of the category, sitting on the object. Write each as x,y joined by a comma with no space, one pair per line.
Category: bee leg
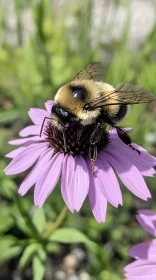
93,156
79,133
64,139
126,139
97,133
46,118
134,149
121,133
94,139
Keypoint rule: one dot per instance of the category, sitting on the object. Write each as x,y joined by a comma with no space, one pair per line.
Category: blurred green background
43,44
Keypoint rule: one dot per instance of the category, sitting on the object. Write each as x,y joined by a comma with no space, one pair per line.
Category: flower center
75,140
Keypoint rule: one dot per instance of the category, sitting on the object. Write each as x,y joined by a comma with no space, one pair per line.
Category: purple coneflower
49,162
144,268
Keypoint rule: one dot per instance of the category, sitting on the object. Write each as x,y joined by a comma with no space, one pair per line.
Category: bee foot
93,166
134,149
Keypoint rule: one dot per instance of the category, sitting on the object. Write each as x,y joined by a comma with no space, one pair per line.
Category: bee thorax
56,122
88,121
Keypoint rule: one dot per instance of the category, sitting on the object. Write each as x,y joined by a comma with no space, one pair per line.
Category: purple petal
143,162
141,270
35,173
113,132
130,176
147,219
30,130
15,153
144,250
80,184
48,180
109,182
97,200
67,179
17,142
49,105
146,155
37,115
75,182
25,159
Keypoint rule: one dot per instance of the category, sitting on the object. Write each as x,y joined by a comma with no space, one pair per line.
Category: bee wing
123,94
131,94
94,71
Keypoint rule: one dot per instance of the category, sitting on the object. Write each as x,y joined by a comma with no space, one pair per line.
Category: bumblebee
88,100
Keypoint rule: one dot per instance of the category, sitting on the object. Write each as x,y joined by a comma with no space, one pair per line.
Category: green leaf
8,248
8,188
22,225
28,255
9,116
2,166
107,275
23,218
38,268
6,219
52,247
41,253
39,220
70,235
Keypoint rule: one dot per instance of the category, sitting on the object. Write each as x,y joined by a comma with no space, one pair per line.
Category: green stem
18,9
58,222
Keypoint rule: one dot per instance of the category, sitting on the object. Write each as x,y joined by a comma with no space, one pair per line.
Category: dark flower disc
76,139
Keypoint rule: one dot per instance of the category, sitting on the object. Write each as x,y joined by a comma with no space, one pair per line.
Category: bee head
63,114
72,98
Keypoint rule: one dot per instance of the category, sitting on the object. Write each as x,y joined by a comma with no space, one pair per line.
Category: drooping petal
35,174
109,182
48,179
15,152
80,187
97,200
68,168
37,115
147,219
113,132
30,130
22,141
49,105
25,159
144,162
145,154
141,270
136,263
130,176
74,182
144,250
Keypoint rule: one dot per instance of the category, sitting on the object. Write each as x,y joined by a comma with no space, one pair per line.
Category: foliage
30,74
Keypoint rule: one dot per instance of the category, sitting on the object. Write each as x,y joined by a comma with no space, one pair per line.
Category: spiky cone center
75,140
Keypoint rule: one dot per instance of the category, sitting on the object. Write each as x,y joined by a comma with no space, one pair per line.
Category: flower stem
57,223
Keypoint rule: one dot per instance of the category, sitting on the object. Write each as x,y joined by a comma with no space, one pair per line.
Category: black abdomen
121,113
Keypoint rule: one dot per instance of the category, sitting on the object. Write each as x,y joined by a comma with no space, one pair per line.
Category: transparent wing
131,94
123,94
93,71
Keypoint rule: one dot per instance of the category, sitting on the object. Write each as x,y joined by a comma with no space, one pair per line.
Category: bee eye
79,93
